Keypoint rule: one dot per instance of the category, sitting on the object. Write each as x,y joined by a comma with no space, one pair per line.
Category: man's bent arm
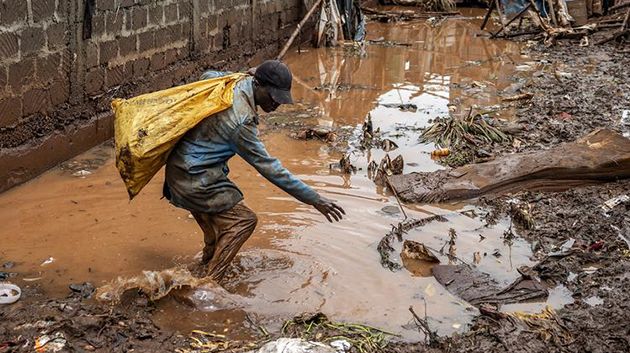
251,149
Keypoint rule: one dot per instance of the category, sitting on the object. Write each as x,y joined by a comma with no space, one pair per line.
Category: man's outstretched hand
329,209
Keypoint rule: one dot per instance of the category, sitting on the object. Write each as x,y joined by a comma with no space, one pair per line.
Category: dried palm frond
473,131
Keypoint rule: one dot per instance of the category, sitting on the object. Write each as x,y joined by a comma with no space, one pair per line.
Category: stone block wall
34,58
62,61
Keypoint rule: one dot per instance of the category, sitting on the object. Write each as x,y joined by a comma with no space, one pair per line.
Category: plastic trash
614,202
342,346
565,248
81,173
48,261
294,345
442,152
9,293
50,343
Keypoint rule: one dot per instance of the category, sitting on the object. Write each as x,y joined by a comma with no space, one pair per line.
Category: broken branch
297,30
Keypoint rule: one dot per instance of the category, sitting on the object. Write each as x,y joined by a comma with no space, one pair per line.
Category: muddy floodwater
75,223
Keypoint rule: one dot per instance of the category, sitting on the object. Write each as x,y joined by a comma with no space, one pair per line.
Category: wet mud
297,263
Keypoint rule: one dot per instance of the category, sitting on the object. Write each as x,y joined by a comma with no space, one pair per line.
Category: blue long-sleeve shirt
197,171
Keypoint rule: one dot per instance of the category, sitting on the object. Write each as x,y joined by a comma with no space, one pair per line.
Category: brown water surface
78,216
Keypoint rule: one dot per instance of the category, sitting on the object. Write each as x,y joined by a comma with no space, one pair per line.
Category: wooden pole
297,30
501,15
552,12
512,20
485,19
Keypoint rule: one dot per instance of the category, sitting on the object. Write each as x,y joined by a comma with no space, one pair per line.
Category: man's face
264,100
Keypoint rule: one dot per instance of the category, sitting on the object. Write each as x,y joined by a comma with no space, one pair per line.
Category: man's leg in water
224,234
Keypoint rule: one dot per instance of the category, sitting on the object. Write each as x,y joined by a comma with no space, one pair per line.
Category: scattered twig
431,337
518,97
397,197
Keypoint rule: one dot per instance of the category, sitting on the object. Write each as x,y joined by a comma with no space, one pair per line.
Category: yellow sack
147,127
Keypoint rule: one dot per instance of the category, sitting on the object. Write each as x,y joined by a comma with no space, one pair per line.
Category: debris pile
561,19
317,327
464,140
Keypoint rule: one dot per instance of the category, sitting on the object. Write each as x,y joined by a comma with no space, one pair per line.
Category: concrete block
146,41
12,11
9,47
59,92
170,13
140,18
105,5
161,38
4,78
185,10
91,54
98,26
94,80
32,40
107,51
114,22
56,36
204,6
140,67
43,10
36,100
186,31
48,67
183,53
127,3
204,45
157,62
170,56
63,9
21,73
10,111
116,75
128,45
156,15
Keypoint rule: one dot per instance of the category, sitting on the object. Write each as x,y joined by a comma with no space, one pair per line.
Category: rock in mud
316,133
85,289
417,258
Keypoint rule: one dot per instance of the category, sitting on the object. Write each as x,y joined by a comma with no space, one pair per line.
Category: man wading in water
197,171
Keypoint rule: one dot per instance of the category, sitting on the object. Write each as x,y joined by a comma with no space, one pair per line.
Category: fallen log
601,156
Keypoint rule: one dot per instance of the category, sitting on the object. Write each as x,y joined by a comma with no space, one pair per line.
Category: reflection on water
295,261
